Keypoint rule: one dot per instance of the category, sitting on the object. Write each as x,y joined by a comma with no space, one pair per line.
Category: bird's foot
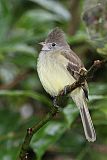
82,71
55,100
64,91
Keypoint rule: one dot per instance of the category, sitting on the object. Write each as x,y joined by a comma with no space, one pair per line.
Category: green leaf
97,97
79,37
8,125
46,136
70,113
5,19
26,93
9,153
102,50
24,60
96,154
98,87
9,137
12,131
34,18
55,7
24,48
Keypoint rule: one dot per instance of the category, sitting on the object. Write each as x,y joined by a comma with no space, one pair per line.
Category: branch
97,64
84,75
31,131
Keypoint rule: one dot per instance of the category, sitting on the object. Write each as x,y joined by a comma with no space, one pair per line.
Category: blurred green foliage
23,102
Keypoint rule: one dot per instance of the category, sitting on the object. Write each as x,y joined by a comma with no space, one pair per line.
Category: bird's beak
42,43
45,47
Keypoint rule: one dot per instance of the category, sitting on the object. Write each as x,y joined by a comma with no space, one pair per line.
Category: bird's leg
65,90
82,71
55,103
82,75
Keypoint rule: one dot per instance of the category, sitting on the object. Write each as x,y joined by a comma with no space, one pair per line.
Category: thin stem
31,131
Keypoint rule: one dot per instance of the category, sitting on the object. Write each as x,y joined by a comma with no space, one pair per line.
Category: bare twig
97,64
31,131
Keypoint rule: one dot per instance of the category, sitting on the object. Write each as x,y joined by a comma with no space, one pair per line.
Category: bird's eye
53,44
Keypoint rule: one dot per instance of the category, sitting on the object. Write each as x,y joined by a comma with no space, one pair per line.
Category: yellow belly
54,75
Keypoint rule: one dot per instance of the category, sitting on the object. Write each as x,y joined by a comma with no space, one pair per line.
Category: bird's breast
53,73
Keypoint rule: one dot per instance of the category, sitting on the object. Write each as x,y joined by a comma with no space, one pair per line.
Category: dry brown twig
31,131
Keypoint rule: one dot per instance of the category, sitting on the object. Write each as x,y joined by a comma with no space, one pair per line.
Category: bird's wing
74,65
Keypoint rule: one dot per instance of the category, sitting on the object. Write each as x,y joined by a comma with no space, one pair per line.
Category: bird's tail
78,97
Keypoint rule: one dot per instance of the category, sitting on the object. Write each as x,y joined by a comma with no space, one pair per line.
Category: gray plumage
57,36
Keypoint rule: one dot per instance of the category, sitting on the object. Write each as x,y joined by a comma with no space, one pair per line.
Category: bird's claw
82,71
56,105
55,102
64,91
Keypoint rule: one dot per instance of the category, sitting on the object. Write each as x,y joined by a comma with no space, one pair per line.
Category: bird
58,66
